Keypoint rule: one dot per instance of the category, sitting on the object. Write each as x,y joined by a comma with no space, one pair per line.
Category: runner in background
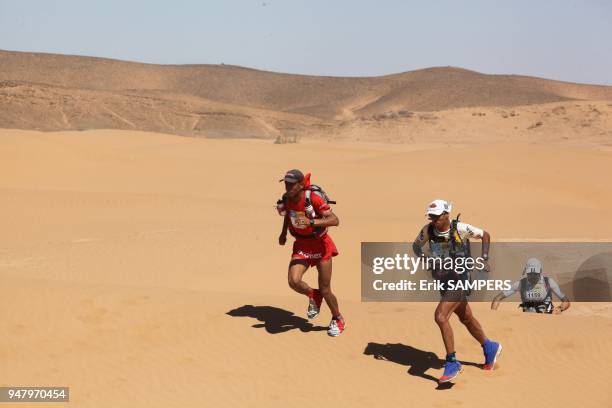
536,291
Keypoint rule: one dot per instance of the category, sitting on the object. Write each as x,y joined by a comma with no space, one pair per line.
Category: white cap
533,265
437,207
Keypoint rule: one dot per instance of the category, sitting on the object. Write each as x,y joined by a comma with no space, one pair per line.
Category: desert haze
142,269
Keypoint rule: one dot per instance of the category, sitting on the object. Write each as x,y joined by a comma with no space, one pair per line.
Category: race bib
293,215
537,293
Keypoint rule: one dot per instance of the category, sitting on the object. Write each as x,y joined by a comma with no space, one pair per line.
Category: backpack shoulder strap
454,238
307,201
454,233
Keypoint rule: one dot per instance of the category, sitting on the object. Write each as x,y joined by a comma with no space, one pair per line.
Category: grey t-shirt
534,289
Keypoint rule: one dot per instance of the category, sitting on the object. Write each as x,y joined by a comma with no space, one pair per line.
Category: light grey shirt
538,288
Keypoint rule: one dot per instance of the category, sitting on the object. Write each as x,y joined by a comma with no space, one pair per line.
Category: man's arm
282,238
486,241
417,248
419,242
505,293
322,208
328,219
565,302
496,300
470,231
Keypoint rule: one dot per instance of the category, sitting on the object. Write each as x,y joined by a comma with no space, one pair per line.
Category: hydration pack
313,188
309,189
458,247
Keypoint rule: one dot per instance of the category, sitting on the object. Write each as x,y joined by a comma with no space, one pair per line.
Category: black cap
293,176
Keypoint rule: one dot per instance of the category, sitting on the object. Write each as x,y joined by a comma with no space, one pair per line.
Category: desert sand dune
61,92
142,270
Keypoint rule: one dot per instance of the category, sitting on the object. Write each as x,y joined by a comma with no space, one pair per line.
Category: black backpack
318,190
458,247
312,189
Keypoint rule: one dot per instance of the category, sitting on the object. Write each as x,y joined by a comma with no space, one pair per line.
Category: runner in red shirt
312,246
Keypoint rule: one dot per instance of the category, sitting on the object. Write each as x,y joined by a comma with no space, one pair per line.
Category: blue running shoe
451,370
491,352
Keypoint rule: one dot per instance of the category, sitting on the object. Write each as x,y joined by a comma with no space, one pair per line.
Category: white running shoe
314,305
336,327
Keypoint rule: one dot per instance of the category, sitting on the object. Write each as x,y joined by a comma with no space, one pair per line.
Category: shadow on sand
275,320
418,360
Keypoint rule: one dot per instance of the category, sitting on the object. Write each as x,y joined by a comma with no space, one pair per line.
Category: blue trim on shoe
491,351
451,370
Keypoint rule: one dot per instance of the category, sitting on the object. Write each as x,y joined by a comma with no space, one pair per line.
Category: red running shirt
296,208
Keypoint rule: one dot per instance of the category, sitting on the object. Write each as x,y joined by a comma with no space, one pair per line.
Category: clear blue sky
566,40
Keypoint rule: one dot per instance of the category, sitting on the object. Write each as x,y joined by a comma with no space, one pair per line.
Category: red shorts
314,250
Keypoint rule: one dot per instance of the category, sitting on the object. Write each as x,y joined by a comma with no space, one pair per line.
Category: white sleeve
554,286
469,231
513,289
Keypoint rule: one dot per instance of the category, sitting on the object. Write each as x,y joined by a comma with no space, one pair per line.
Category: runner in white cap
444,239
536,291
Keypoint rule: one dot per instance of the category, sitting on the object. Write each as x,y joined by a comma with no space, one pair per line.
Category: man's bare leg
442,315
464,312
325,274
297,268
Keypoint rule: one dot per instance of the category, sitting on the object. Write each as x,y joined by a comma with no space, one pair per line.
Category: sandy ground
122,254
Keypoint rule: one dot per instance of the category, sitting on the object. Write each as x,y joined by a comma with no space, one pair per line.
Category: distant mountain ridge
56,92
